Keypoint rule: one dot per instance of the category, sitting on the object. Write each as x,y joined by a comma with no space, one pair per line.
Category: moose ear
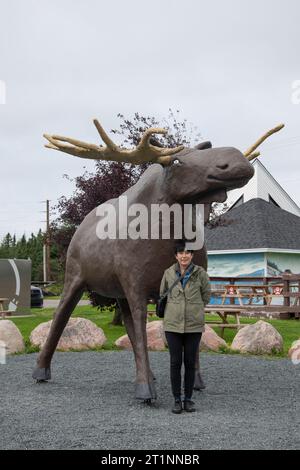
204,145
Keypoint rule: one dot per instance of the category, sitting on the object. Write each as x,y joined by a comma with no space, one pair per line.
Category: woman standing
184,321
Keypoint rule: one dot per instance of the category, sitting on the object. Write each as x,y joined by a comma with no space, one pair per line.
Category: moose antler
249,153
143,153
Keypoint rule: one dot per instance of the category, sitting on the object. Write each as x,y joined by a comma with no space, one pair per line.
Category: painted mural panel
277,263
252,265
236,265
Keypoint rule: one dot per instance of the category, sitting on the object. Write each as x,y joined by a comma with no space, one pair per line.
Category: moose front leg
145,388
72,293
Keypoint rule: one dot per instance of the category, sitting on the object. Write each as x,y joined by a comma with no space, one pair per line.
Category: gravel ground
249,403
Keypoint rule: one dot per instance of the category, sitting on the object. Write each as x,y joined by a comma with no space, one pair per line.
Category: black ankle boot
177,408
189,406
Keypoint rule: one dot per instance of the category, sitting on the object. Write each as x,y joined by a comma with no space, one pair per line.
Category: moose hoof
41,374
152,378
199,384
145,391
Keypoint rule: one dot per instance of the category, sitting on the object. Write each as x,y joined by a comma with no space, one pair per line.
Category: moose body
130,270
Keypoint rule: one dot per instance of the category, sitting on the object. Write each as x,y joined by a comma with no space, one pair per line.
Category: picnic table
244,292
285,288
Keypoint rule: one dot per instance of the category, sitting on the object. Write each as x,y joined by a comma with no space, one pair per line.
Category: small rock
294,352
79,334
259,338
11,336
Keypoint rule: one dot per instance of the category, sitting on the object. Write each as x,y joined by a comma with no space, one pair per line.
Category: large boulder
259,338
294,352
210,341
11,337
156,340
79,334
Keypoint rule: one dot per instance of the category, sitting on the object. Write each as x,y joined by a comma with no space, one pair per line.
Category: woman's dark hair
181,246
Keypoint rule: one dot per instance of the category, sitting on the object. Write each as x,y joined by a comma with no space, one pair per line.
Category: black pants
186,344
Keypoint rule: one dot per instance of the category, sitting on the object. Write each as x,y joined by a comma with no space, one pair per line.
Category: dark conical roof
255,224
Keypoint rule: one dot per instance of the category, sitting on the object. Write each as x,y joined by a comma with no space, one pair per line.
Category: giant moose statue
130,270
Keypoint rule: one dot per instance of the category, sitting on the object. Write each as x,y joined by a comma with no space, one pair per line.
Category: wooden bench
223,311
3,312
6,313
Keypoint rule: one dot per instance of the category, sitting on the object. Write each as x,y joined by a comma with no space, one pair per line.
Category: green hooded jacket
184,311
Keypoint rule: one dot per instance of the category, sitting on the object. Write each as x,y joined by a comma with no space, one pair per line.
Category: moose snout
241,167
229,167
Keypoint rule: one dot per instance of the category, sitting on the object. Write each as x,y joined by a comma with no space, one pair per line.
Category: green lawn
289,329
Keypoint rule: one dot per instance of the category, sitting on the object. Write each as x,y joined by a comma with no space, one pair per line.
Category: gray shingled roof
255,224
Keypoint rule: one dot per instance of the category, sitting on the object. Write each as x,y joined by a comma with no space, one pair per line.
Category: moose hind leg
127,317
71,295
198,384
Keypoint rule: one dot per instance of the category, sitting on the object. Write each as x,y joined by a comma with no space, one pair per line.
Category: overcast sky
228,66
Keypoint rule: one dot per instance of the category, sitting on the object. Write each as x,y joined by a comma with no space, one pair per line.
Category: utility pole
48,240
46,247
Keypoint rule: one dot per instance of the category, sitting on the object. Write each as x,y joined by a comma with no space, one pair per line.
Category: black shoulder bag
162,301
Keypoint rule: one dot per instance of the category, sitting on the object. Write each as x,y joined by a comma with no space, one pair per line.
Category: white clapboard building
262,185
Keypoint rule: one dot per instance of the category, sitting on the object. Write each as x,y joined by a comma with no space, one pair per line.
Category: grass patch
57,297
289,329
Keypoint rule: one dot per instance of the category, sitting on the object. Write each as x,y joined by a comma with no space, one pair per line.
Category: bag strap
168,291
